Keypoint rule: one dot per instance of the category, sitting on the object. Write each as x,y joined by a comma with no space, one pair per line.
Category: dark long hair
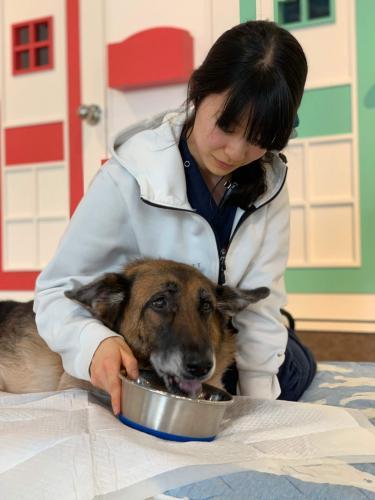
262,69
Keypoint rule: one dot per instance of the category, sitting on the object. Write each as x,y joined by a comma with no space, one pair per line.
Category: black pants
295,374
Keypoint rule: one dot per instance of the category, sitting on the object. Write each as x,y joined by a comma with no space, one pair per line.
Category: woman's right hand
111,355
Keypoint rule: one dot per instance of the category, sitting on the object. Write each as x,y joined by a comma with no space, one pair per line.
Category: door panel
34,150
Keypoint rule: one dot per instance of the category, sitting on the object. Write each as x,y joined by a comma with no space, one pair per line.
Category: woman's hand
112,354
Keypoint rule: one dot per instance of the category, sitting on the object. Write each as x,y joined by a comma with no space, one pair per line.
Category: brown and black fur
173,318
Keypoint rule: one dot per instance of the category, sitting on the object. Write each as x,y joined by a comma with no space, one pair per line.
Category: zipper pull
222,266
229,187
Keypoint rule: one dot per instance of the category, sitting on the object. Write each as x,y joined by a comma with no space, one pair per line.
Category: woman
205,186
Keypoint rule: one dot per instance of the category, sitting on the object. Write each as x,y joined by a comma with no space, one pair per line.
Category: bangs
265,110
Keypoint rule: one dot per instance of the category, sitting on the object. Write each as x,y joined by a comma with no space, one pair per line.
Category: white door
105,24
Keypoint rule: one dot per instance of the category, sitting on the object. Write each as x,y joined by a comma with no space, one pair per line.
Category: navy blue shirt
199,196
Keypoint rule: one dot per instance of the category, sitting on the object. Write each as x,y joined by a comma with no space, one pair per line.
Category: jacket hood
161,177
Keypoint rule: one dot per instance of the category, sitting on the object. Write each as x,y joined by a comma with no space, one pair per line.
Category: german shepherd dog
174,319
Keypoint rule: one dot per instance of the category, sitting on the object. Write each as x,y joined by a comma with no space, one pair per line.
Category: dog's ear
232,300
104,297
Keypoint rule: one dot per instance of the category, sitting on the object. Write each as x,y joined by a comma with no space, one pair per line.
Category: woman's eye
159,303
227,130
206,307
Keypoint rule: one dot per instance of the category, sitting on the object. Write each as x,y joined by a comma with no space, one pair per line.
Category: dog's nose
198,367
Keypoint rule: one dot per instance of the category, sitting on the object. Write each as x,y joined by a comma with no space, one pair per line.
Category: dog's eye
159,303
206,306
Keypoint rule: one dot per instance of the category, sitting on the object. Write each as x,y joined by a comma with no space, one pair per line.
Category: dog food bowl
148,406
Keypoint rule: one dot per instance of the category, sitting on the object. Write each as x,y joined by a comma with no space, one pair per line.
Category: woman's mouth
222,164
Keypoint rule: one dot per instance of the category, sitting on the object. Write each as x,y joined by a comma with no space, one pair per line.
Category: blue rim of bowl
177,396
160,434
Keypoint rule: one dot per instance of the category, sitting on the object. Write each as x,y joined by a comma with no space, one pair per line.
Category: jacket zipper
222,266
222,251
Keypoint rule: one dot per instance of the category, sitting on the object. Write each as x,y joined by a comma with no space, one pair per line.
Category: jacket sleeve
96,241
262,336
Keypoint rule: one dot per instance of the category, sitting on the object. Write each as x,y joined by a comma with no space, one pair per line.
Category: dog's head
171,316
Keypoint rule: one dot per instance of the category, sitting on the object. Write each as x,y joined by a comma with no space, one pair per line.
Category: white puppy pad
68,445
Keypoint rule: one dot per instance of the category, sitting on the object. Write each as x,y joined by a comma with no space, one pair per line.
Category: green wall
248,10
326,110
345,280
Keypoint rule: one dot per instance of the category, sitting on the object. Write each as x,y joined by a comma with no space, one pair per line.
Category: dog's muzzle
184,372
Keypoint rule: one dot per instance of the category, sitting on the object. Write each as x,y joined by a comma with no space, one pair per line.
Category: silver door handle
91,113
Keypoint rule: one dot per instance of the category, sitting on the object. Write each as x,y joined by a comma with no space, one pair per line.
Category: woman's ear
104,297
233,300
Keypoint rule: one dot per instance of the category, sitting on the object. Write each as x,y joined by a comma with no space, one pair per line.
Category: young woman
204,185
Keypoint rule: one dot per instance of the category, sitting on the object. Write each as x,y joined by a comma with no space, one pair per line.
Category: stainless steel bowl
146,405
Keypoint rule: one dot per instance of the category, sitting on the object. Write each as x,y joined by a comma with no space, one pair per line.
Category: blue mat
330,387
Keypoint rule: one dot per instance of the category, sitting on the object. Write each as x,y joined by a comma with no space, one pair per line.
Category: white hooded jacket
137,206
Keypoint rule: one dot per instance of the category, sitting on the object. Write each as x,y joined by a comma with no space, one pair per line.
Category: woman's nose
237,149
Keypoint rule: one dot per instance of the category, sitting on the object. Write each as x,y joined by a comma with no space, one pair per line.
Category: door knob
91,113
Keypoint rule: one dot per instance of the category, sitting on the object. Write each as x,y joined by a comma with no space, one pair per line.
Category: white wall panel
19,191
322,180
20,248
333,312
52,189
331,171
331,235
36,214
297,246
296,173
48,233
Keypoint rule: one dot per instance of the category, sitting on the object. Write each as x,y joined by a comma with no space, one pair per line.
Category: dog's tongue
191,387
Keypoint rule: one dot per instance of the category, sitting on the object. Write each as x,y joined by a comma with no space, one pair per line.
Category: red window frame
32,46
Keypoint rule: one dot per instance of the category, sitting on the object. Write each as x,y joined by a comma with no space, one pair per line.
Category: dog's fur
173,318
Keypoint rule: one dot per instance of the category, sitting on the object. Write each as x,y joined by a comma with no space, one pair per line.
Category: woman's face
219,153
